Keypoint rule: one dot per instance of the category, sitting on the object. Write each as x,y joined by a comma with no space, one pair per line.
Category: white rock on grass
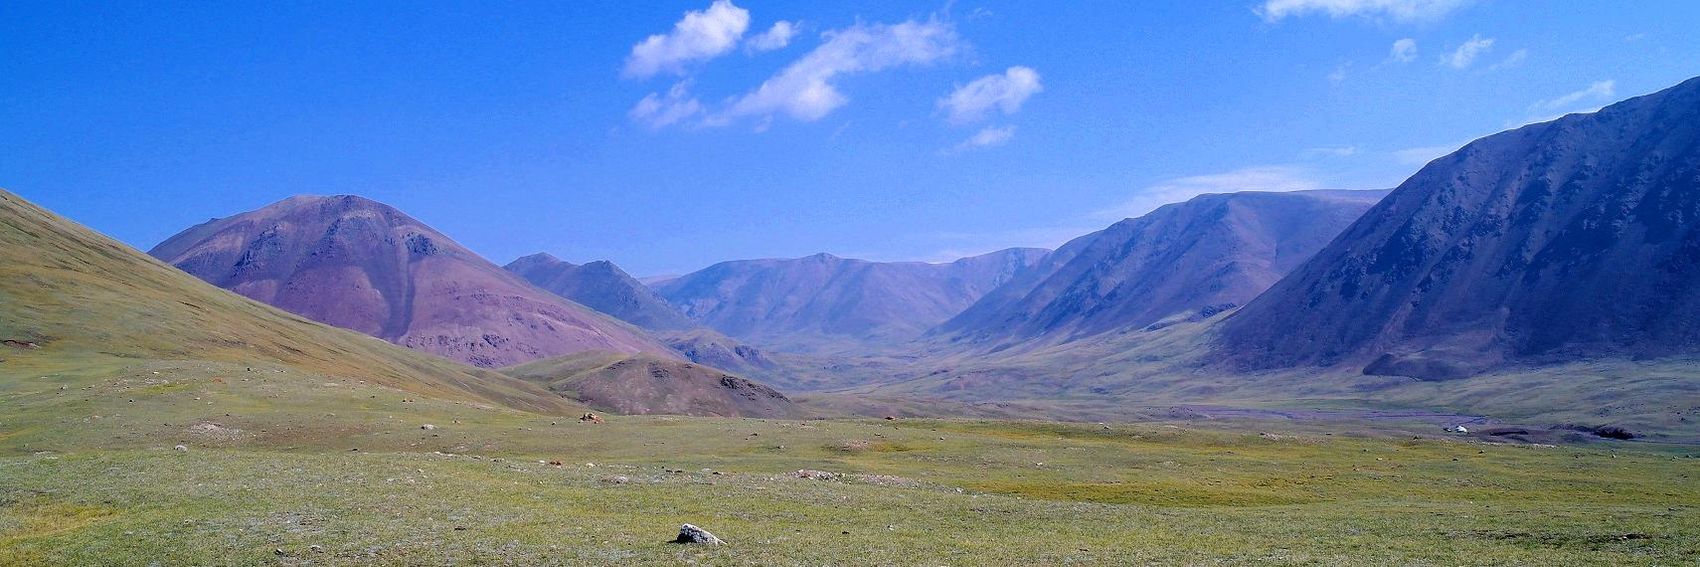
692,534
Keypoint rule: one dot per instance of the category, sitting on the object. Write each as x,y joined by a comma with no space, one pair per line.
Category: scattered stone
617,479
182,448
816,475
428,427
316,548
692,534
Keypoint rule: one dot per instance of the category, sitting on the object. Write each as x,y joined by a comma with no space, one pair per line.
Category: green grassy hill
74,300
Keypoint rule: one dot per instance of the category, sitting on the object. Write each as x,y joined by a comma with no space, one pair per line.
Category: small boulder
692,534
182,447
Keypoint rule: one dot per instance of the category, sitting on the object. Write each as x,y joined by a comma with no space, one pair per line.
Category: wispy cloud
1266,178
1338,75
1423,155
1005,92
1466,54
807,90
1404,11
776,37
1599,91
661,110
698,36
1404,51
987,137
1328,152
1589,99
1516,58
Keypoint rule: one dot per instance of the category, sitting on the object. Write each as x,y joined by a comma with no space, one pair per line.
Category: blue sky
884,130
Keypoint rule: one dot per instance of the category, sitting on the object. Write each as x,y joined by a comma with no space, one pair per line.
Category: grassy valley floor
287,468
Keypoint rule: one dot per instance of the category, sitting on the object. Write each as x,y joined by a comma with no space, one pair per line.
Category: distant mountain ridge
1555,241
1209,254
602,286
824,297
365,266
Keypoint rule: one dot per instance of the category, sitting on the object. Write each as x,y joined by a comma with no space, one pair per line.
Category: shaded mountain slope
1197,258
362,265
1556,241
645,384
71,296
832,298
604,287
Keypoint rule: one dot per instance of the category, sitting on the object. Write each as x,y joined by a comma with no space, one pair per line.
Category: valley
1271,282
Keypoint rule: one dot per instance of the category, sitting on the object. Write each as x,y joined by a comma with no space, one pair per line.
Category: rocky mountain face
604,287
832,298
1192,259
362,265
1556,241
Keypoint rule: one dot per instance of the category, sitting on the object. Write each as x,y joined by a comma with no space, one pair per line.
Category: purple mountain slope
362,265
1568,239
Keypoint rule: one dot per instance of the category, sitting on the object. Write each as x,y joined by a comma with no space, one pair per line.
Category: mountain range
1554,244
365,266
822,300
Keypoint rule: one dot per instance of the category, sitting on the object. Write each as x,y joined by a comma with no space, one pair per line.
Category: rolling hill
646,384
362,265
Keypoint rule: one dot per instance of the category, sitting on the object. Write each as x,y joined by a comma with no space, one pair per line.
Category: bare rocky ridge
1557,241
1192,259
362,265
604,287
827,298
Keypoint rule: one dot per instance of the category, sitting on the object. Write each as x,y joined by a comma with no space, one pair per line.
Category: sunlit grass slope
71,298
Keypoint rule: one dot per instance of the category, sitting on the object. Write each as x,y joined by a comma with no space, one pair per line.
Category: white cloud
659,111
776,37
1600,91
990,136
1268,178
1467,53
1397,10
805,89
699,36
1404,51
1006,92
1516,58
